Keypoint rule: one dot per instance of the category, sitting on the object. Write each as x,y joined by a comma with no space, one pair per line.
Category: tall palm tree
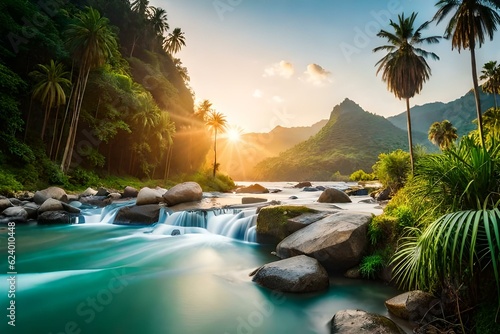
174,41
216,122
91,43
182,70
140,6
52,79
202,110
442,134
470,23
405,68
491,73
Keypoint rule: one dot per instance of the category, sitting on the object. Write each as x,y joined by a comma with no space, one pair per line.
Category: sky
264,63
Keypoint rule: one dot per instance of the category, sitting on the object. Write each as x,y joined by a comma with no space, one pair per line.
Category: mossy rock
274,223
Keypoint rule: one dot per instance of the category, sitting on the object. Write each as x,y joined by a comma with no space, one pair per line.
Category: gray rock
310,189
51,205
338,241
320,188
175,232
70,208
99,201
40,197
303,184
102,192
4,204
353,273
54,218
361,322
293,197
15,214
130,192
16,202
332,195
384,195
252,200
32,209
89,192
114,196
149,196
147,214
56,193
182,193
411,305
297,274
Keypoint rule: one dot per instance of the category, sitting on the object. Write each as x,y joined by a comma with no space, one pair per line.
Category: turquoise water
102,278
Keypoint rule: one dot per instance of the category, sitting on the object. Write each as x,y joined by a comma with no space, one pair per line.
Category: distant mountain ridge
351,140
460,112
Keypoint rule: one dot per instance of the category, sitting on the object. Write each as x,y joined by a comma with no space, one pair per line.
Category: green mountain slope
351,140
459,112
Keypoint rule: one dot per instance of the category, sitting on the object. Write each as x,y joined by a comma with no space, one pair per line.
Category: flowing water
102,278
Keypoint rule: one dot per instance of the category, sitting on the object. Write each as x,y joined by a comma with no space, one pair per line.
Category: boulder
353,273
56,193
252,200
89,192
130,192
99,201
357,191
102,192
310,189
148,196
303,184
411,305
54,218
182,193
147,214
4,204
15,214
338,241
332,195
55,205
360,322
297,274
114,196
273,222
32,209
252,189
15,201
383,195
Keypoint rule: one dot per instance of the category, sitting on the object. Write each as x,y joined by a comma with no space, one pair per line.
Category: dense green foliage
392,169
351,140
112,101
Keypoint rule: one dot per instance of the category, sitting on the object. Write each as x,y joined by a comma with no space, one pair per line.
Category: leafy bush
371,265
382,228
82,177
221,182
9,184
361,175
392,169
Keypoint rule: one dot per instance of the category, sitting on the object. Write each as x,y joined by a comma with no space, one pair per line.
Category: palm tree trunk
133,45
215,152
54,133
45,119
64,121
28,120
410,140
476,93
495,100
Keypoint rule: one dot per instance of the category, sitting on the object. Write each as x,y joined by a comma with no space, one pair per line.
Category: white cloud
317,75
283,69
257,94
278,99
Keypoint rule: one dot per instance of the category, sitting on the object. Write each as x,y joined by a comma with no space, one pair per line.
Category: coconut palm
175,41
216,122
182,70
442,134
203,109
405,68
140,6
158,20
91,43
470,23
491,73
52,79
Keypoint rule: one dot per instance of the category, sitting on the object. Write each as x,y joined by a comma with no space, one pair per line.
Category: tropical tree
491,73
51,79
405,68
91,43
174,41
158,20
203,109
140,7
470,23
442,134
182,70
216,122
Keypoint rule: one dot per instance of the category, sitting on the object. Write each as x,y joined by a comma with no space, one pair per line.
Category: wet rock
338,241
15,201
4,204
175,232
54,218
114,196
14,214
252,189
56,193
102,192
55,205
293,197
353,273
182,193
252,200
149,196
361,322
297,274
411,305
384,195
32,209
332,195
310,189
303,184
147,214
89,192
130,192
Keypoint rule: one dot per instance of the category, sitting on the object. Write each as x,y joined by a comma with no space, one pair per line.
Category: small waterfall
235,224
104,215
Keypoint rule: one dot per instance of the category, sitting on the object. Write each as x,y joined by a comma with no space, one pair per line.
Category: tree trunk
27,121
45,119
410,140
476,93
54,134
133,45
215,152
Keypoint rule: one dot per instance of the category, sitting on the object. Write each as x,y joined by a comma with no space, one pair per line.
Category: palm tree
491,73
202,110
405,68
174,41
91,43
52,79
442,134
470,23
140,6
216,122
182,70
158,20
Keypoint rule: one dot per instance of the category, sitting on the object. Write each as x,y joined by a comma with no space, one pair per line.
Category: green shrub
371,265
82,177
337,177
382,229
221,182
9,184
361,175
392,169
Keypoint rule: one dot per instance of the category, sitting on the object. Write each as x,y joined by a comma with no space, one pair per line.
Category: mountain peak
346,106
